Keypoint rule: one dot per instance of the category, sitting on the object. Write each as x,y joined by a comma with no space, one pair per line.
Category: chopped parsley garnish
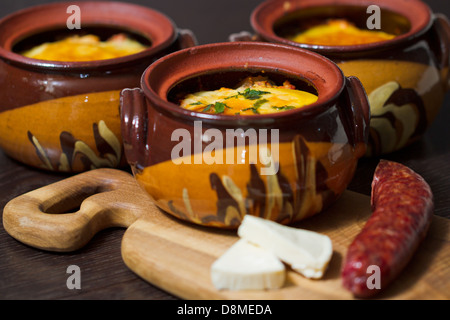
256,106
196,103
207,108
284,108
260,102
255,110
219,107
231,97
252,94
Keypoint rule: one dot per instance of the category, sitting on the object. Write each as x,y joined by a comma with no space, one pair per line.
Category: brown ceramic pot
405,78
64,116
212,169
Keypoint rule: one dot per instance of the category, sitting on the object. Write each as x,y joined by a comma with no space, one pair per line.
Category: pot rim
266,14
159,41
240,62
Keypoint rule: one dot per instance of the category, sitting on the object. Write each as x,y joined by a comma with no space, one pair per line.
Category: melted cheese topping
85,48
340,33
254,96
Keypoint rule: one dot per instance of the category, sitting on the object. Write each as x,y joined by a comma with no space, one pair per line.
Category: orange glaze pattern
310,177
70,134
405,98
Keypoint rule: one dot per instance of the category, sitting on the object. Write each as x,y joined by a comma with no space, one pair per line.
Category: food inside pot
340,32
254,95
85,48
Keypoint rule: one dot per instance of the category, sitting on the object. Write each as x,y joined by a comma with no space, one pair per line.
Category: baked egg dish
339,32
255,95
85,48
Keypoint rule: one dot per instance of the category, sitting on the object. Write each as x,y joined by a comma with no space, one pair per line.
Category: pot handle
442,28
186,38
357,114
243,36
133,112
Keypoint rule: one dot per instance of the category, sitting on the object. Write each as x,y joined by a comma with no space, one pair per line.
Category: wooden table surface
28,273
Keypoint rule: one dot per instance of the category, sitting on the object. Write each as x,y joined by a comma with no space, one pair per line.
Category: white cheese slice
245,266
307,252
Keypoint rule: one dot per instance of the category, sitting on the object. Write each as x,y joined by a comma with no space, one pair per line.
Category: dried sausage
402,205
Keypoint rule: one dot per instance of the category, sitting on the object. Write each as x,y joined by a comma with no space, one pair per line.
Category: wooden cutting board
176,256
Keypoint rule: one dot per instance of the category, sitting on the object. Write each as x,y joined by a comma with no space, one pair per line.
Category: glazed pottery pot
64,116
212,169
405,78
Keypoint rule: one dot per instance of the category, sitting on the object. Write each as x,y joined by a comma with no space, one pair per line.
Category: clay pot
64,116
212,169
405,78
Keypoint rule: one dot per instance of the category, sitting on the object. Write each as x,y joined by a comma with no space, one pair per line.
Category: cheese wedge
245,266
307,252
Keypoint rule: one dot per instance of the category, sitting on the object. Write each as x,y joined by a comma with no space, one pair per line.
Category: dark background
210,20
28,273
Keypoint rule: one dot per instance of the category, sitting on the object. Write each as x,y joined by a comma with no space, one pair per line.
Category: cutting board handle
65,215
